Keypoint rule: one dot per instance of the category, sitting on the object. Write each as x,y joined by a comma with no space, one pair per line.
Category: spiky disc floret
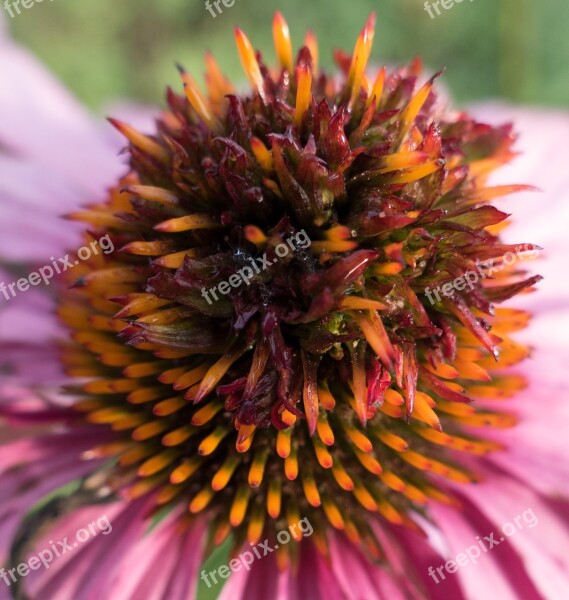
335,375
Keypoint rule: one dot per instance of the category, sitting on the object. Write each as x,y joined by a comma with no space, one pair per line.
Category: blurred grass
103,49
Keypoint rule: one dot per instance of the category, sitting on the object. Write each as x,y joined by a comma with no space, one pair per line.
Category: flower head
282,348
295,319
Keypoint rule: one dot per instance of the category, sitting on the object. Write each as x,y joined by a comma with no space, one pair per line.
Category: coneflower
328,386
336,382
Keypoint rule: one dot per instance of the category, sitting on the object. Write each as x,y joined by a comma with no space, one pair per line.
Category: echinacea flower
290,328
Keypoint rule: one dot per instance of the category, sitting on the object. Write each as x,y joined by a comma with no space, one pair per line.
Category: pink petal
497,574
537,217
46,124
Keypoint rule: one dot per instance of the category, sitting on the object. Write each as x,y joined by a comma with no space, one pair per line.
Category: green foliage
109,49
220,556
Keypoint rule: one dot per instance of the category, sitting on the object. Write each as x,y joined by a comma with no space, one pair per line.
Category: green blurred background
107,50
110,49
